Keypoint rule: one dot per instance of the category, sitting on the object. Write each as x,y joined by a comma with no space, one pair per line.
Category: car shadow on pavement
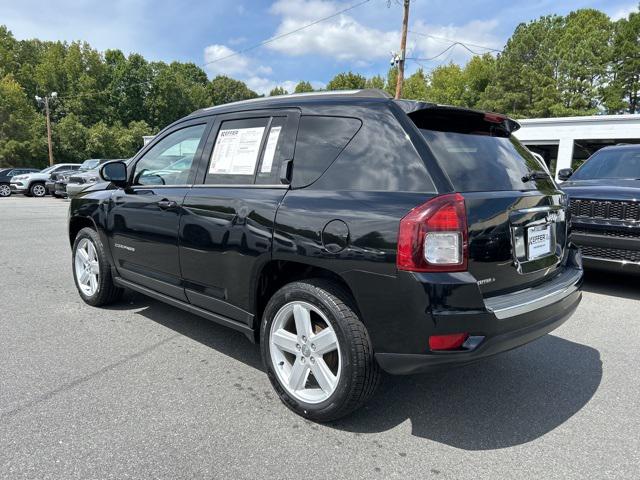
504,401
614,284
501,402
222,339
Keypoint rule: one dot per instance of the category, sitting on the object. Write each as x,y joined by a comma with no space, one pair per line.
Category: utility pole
403,49
45,101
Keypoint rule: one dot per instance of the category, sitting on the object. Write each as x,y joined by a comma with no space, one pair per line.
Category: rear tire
92,271
317,385
37,190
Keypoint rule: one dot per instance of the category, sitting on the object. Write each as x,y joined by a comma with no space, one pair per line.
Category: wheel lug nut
313,346
301,359
312,360
304,339
298,346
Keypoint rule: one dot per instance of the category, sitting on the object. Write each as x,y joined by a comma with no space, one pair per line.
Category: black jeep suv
345,232
605,205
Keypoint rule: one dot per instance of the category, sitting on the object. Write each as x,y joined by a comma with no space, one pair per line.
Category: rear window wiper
535,175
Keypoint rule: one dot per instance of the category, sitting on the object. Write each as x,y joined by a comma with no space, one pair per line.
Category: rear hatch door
516,215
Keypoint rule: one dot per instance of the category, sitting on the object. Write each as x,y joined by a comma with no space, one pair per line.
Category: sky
360,40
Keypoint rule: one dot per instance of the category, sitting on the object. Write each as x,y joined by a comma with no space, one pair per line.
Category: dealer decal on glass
236,151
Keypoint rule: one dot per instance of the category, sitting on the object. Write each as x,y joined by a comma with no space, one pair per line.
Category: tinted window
236,151
320,141
622,163
169,161
483,162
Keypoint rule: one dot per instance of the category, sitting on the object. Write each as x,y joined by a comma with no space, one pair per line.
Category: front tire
316,351
37,190
92,271
5,190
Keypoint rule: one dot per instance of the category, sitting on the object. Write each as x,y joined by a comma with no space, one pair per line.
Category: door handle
165,204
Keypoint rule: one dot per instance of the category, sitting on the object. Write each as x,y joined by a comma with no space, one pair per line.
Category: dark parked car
605,208
345,232
5,178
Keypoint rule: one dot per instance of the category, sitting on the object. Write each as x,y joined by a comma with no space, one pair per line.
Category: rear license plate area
539,241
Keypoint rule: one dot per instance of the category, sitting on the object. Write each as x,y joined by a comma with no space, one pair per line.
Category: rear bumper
542,322
502,323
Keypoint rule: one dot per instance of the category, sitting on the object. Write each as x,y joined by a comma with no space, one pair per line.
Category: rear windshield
476,163
610,164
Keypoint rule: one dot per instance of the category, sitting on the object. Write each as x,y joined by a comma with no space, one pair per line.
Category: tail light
433,236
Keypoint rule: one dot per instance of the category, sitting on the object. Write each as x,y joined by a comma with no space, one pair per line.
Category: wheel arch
78,223
277,273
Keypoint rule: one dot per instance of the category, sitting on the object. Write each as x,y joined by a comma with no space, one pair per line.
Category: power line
416,59
278,37
464,44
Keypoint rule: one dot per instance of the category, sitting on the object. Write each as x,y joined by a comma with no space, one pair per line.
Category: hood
603,189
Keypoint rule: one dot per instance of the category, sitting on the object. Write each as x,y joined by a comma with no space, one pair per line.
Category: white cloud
345,39
342,38
222,60
624,11
242,67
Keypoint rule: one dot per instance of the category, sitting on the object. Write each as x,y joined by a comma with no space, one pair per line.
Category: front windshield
89,164
618,163
47,170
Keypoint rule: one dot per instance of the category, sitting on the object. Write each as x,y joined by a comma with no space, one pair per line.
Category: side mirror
565,173
114,172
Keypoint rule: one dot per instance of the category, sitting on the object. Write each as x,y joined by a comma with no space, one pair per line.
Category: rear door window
481,162
320,141
236,152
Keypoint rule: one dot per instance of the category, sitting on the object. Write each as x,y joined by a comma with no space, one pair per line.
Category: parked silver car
33,184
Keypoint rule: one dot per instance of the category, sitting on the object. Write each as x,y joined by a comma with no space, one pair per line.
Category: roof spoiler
424,112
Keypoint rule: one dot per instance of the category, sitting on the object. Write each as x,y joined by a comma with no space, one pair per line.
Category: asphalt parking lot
143,390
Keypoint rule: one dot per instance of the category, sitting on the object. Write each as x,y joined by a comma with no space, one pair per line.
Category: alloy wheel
39,190
87,267
5,190
305,353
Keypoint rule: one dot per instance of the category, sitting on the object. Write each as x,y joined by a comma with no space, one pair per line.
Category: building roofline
581,119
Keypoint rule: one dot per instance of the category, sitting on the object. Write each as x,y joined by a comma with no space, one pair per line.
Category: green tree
303,87
223,89
176,90
277,91
415,86
17,117
479,72
347,81
376,82
447,85
527,70
392,79
623,92
70,139
583,53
